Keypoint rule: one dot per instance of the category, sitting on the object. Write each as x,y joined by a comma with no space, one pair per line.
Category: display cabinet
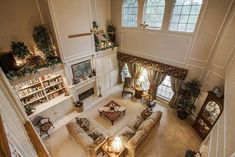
208,115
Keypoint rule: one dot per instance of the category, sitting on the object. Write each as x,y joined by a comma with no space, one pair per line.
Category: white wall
14,123
17,20
101,12
222,137
193,51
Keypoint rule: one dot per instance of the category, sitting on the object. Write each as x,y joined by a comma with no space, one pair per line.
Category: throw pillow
97,137
146,113
137,124
127,135
83,123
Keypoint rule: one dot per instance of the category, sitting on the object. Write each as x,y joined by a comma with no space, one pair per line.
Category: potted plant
188,95
78,106
19,50
29,109
42,38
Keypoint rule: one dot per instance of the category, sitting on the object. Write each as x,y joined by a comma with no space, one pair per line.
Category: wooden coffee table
112,111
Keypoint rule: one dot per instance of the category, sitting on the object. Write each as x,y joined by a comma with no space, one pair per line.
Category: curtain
135,71
121,65
176,84
155,79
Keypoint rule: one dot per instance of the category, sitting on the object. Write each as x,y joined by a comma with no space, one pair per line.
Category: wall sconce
117,144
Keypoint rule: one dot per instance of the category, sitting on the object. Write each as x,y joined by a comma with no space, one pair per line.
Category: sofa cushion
136,139
85,140
74,128
134,125
146,113
155,116
83,123
147,125
97,136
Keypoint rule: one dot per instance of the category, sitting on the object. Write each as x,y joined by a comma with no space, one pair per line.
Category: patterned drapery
135,71
176,84
160,67
121,65
155,79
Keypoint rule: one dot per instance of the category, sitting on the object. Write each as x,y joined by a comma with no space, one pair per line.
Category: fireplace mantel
74,89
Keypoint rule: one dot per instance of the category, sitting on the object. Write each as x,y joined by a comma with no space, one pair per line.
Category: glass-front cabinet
208,115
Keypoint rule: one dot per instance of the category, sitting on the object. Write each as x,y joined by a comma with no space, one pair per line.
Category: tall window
125,72
153,12
143,80
164,90
185,14
129,13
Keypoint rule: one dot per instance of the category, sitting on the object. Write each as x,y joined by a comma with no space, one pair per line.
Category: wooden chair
43,124
128,87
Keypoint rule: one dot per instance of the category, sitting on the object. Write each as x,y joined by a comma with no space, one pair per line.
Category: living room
150,78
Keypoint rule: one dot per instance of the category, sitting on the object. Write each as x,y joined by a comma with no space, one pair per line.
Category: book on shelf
41,89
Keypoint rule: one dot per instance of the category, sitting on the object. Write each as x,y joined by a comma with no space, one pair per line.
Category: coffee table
112,111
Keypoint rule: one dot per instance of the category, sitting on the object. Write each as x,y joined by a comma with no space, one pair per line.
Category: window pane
129,13
192,19
173,26
184,19
153,12
177,9
195,9
164,90
190,27
182,27
185,14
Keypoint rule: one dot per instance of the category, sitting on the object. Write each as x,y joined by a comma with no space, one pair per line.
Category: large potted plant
42,38
19,50
188,95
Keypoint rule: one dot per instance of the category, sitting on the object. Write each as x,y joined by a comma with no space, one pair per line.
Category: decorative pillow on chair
83,123
97,137
146,113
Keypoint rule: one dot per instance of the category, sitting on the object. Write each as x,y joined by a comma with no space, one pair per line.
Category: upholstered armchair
128,87
43,124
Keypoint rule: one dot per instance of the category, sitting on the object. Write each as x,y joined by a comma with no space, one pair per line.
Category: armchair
43,124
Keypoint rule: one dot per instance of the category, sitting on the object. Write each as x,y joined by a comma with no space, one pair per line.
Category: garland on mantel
161,67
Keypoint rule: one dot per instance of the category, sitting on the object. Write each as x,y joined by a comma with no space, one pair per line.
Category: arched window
129,13
154,12
185,14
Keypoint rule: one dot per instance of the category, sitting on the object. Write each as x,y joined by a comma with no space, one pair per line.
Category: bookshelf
41,89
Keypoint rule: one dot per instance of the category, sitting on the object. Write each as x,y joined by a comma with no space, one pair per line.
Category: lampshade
117,145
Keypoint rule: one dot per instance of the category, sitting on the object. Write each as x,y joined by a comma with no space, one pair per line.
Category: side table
106,149
138,93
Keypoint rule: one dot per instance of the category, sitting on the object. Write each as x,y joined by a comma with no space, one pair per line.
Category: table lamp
117,144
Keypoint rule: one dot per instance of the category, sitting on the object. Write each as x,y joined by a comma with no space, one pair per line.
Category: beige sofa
138,130
82,137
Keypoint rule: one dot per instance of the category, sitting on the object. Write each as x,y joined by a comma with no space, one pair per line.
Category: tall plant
43,41
20,50
188,95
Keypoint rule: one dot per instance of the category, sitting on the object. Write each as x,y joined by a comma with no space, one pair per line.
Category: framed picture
81,70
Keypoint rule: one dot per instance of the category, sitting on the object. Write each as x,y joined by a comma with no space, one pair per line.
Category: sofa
137,130
89,137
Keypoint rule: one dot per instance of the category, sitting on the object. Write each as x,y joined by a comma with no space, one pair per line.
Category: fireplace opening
86,94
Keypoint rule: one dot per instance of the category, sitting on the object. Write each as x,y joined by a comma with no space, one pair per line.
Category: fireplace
86,94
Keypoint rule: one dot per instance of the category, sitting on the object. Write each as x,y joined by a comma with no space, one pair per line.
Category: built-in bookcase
41,89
